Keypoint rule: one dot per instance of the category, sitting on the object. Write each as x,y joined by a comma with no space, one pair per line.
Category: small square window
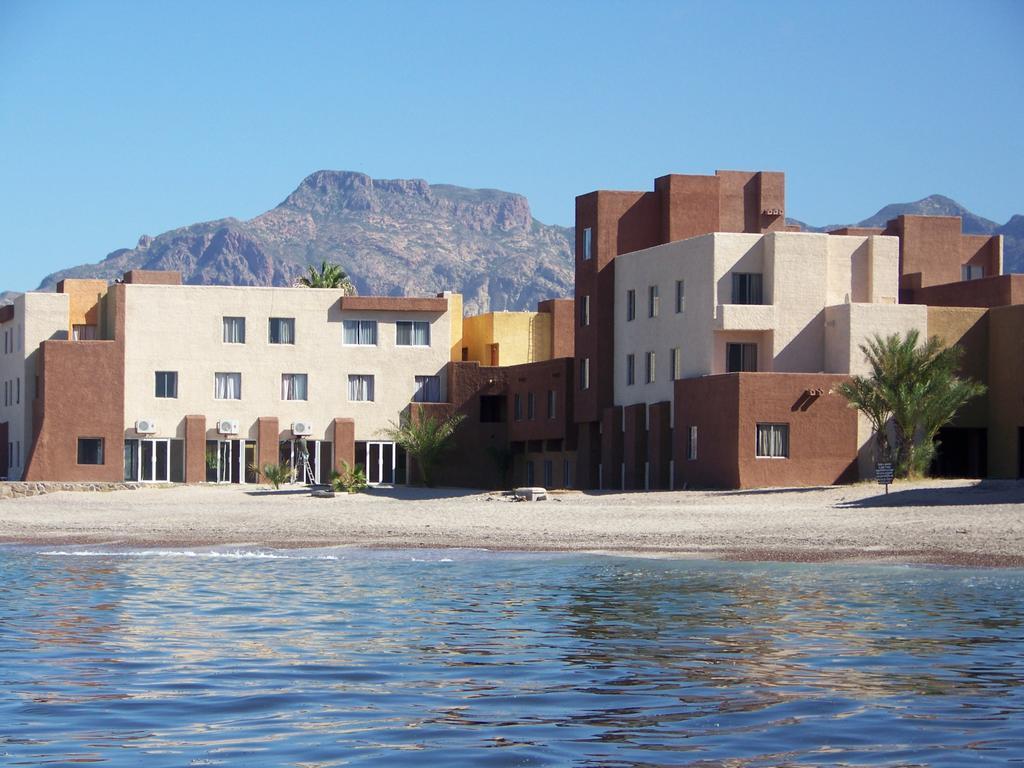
294,386
234,330
227,386
740,357
282,330
360,388
428,389
167,384
747,288
772,441
90,450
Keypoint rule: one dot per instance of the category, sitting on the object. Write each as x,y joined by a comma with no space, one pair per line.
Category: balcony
744,317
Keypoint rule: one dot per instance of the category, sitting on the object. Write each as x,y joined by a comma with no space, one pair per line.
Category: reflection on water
346,657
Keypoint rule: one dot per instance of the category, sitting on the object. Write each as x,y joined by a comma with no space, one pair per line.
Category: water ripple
347,657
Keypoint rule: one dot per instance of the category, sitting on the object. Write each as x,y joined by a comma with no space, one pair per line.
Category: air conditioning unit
145,426
302,428
227,426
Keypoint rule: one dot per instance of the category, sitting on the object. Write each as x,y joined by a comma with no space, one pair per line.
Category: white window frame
234,322
361,388
361,329
291,388
222,376
282,322
414,326
771,440
156,385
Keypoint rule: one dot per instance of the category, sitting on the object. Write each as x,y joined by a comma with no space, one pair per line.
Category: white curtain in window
421,334
361,332
360,387
228,386
412,333
428,389
234,330
773,440
293,386
282,330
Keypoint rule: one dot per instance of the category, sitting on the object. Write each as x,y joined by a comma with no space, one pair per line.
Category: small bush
350,479
276,474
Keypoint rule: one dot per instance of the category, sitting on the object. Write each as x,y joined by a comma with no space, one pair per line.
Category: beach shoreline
964,523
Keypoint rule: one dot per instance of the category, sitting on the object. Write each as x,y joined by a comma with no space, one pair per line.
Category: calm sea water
348,657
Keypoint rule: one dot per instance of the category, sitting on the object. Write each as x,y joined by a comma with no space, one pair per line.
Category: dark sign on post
884,474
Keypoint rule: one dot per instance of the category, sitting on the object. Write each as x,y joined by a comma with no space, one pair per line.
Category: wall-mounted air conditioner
227,426
302,428
145,426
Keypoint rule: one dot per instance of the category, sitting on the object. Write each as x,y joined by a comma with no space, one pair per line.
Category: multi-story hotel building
701,348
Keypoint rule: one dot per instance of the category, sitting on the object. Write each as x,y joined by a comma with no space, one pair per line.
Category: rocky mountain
937,205
6,297
393,237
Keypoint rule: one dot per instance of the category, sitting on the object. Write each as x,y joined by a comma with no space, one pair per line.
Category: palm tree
915,387
426,439
328,276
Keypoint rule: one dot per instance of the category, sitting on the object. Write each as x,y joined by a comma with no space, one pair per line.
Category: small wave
187,553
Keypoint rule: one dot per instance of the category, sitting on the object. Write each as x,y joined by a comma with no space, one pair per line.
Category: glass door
380,463
224,453
155,461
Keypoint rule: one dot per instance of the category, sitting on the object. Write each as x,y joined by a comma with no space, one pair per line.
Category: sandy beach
947,522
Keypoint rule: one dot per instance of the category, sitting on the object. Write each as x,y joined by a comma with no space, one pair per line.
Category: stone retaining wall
17,490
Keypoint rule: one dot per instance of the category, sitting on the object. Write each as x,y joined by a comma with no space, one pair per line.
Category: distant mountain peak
933,205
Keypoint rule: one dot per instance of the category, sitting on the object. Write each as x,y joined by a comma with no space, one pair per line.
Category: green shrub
350,479
276,474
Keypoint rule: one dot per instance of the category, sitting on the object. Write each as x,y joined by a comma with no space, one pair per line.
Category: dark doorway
962,452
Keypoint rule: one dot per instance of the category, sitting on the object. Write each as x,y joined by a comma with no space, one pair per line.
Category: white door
155,461
380,463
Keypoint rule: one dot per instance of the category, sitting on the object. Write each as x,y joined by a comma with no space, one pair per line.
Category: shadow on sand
983,492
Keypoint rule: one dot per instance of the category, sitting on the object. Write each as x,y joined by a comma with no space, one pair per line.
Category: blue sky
124,118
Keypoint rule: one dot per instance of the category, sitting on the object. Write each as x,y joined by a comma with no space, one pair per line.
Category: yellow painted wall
84,297
522,337
455,313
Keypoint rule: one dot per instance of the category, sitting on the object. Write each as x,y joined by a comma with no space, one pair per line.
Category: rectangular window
649,368
360,388
680,296
531,408
772,441
412,333
548,473
234,330
588,244
227,386
361,332
630,305
166,383
17,391
691,444
972,272
566,474
83,332
517,407
90,450
740,357
428,389
294,386
746,288
584,311
585,373
653,302
282,330
676,364
529,473
630,370
552,404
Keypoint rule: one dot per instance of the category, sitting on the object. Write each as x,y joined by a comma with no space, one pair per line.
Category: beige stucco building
780,302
